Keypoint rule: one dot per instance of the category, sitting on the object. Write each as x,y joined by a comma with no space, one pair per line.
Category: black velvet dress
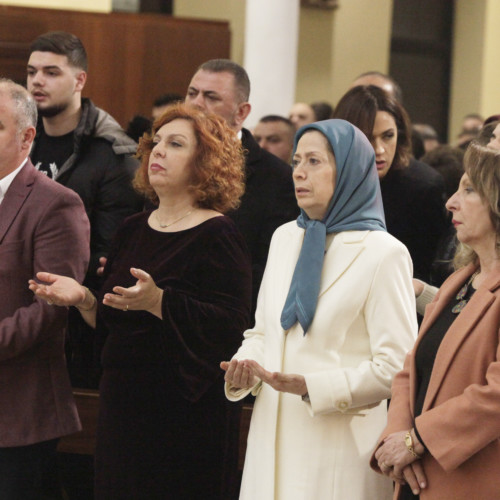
166,430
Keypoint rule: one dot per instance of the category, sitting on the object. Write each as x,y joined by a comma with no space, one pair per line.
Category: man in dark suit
222,87
43,227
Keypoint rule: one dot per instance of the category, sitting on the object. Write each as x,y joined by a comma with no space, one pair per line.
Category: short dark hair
165,99
398,92
492,118
449,162
486,133
277,118
360,105
322,110
241,80
65,44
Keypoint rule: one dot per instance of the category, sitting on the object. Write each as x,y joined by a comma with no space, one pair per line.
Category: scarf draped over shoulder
356,205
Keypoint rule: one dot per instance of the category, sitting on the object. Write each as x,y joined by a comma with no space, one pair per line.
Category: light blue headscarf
356,205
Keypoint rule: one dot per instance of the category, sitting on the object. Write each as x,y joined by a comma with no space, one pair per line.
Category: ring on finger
126,308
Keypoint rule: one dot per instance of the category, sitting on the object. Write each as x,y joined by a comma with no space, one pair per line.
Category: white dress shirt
6,181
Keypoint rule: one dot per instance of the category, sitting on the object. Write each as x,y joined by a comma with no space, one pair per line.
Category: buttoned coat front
43,227
363,326
460,420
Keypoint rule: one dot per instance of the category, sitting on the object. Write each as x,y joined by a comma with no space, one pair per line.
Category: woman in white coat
335,318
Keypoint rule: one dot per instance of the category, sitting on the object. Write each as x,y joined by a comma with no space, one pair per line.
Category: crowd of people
209,263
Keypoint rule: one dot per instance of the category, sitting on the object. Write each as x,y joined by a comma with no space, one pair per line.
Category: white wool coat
364,325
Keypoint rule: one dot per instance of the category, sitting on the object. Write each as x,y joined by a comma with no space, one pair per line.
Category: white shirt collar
6,181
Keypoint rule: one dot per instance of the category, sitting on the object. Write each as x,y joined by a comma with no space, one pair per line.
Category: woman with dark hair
175,299
412,192
489,135
442,438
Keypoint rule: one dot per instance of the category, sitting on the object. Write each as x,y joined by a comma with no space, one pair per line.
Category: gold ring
126,307
49,302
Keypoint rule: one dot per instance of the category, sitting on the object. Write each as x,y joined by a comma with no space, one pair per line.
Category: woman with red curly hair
175,299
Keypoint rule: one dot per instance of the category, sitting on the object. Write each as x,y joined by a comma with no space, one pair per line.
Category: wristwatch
409,445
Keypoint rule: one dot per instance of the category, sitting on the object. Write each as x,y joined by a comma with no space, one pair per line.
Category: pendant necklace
163,226
462,293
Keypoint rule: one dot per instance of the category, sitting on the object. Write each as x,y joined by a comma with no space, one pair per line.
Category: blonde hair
482,165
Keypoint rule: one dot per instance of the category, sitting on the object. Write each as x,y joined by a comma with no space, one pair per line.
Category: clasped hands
64,291
245,374
398,463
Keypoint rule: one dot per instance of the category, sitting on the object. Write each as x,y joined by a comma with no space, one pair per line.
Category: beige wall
87,5
475,63
334,45
337,45
491,82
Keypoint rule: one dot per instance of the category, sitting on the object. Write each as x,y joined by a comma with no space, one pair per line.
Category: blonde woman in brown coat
442,439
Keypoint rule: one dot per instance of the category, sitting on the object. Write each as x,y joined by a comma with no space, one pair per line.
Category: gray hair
24,105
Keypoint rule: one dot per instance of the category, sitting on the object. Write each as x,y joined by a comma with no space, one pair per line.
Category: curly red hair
218,168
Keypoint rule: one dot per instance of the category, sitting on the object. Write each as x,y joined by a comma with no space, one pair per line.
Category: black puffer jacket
100,170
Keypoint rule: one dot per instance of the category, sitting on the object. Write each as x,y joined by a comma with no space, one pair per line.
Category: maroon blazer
43,227
460,420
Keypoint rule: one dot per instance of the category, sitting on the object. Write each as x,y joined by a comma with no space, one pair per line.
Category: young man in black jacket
83,148
78,144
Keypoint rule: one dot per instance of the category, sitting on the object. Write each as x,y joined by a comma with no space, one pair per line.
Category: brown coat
460,420
43,227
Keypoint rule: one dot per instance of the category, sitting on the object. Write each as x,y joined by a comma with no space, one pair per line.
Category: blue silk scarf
356,205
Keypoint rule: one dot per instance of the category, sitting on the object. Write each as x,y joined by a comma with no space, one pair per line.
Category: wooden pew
83,442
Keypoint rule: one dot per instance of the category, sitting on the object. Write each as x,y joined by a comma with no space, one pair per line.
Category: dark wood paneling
83,442
421,59
133,58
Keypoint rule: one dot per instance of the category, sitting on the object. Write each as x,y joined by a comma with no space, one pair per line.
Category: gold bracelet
80,308
409,445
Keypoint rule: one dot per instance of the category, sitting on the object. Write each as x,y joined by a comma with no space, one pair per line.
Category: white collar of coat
343,251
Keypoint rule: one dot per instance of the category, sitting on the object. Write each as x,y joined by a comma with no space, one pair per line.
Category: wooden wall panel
133,58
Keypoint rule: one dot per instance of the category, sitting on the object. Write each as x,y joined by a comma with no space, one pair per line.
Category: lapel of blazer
15,197
460,328
343,251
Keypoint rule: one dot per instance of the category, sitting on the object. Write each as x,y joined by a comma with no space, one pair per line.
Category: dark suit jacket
460,422
269,201
43,227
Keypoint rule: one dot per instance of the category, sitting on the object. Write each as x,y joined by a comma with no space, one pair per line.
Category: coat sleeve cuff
236,393
328,392
426,297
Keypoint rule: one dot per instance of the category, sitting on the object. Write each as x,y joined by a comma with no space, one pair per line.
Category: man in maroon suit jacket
43,227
